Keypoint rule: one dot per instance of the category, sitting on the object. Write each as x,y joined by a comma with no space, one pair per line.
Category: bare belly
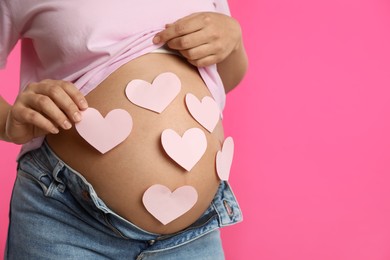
122,175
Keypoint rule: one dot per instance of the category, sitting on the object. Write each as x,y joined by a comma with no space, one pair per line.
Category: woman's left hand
202,38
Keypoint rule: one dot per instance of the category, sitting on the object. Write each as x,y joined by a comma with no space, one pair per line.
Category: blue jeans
56,214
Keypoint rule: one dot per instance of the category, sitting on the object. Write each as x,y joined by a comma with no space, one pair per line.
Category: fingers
59,101
42,108
198,50
77,97
50,104
204,61
20,116
202,38
188,41
48,107
181,27
70,89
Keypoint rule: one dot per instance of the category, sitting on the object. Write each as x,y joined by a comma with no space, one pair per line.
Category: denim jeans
56,214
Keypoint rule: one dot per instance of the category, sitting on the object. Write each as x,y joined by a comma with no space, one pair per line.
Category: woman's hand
202,38
43,108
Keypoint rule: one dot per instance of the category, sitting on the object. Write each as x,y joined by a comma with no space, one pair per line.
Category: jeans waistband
223,211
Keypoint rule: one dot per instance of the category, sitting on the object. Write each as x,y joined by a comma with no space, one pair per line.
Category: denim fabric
56,214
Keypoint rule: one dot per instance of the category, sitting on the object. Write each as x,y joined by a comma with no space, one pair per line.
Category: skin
202,38
52,106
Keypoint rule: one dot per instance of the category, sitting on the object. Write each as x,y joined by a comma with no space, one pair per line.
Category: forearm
233,68
4,108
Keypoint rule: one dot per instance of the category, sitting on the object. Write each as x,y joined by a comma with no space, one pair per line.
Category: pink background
311,127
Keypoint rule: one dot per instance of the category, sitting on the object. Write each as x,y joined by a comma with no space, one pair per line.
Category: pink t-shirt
85,41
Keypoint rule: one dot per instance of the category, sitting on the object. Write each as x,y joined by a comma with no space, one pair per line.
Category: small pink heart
105,133
186,150
156,96
165,205
225,158
207,112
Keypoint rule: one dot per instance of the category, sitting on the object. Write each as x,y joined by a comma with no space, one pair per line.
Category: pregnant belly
122,175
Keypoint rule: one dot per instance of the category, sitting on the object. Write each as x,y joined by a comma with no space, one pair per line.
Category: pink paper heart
186,150
105,133
156,96
225,158
206,112
165,205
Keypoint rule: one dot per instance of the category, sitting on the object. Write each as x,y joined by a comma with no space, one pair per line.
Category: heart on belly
105,133
167,206
156,96
206,112
186,150
225,158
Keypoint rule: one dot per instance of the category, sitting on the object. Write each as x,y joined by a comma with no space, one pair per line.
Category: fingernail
156,39
66,125
83,104
54,130
77,116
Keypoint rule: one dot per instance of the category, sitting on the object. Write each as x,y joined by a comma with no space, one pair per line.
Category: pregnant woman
72,200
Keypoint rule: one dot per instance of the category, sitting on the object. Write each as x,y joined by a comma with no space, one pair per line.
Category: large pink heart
105,133
186,150
225,158
165,205
206,112
156,96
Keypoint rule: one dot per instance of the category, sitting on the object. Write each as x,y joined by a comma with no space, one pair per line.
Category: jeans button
61,187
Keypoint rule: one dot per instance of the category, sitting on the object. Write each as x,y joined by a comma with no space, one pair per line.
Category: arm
233,68
4,108
206,39
42,107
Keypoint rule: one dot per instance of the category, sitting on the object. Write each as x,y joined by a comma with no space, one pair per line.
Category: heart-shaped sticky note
156,96
207,112
186,150
225,158
165,205
105,133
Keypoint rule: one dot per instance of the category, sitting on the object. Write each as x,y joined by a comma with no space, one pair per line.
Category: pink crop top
85,41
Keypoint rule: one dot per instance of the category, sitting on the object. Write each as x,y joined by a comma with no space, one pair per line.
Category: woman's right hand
43,108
